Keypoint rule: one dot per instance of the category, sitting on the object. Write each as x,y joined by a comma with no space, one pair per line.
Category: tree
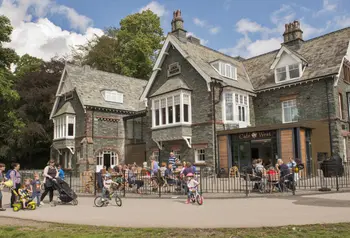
37,89
10,125
27,64
129,50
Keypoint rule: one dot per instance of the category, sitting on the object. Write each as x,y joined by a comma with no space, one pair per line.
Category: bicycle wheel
98,201
118,201
199,199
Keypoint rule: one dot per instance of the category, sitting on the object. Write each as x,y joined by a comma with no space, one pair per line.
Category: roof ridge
309,40
102,71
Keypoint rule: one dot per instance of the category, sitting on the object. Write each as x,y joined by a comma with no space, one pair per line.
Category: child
107,183
163,169
25,191
2,169
60,172
191,184
36,185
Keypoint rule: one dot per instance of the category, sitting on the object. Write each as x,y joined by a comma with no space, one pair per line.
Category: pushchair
66,194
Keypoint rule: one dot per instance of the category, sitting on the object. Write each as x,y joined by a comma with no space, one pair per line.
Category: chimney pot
177,27
293,35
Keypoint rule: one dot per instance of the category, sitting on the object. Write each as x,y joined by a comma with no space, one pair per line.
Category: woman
132,179
50,173
15,176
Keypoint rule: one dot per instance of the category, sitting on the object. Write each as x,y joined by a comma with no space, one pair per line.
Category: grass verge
29,229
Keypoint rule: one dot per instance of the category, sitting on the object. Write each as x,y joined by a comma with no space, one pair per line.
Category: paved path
252,212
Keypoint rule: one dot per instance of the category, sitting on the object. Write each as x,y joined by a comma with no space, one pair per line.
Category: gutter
329,118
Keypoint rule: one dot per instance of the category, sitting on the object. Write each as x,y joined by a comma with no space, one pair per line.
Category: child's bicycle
100,201
196,196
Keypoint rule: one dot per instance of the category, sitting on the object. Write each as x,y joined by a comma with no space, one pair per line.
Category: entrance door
106,158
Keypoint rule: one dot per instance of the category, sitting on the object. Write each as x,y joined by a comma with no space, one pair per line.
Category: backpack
7,176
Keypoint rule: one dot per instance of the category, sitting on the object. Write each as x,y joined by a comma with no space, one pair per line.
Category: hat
189,175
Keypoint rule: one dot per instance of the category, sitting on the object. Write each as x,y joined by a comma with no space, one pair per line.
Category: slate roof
90,82
66,108
323,54
172,84
204,56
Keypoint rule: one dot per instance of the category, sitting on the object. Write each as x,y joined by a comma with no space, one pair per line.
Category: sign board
255,135
174,69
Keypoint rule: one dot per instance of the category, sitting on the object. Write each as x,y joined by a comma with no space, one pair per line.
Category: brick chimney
293,35
177,26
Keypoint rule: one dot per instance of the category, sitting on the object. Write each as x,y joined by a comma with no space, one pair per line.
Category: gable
285,60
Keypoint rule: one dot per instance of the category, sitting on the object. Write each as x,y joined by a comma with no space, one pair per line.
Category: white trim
186,138
278,56
196,154
232,67
283,118
71,149
169,41
337,76
63,127
159,144
300,67
235,105
57,93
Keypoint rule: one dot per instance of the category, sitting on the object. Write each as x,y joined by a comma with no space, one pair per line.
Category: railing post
246,185
293,177
124,175
70,179
159,186
200,180
95,184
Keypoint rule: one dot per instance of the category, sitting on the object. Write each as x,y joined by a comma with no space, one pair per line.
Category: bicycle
100,202
196,196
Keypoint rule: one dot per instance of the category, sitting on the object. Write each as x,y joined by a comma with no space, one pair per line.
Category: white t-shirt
192,183
107,183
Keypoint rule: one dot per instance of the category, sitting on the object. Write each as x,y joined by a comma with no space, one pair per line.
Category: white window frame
345,149
226,70
287,73
198,153
236,105
283,107
182,94
340,102
113,96
61,126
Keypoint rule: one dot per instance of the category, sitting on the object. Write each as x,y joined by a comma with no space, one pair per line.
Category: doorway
106,158
262,149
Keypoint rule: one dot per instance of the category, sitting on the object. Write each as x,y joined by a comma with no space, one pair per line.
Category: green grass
45,230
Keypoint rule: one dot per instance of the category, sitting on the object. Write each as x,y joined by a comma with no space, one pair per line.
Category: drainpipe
214,122
329,119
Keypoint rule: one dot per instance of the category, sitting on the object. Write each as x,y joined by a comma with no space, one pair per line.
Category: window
225,69
236,111
289,111
113,96
172,110
200,155
288,72
340,101
64,126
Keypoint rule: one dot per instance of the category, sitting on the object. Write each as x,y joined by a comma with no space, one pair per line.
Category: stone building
89,118
210,108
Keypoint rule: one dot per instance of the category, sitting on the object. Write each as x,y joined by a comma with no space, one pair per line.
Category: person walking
2,169
50,173
60,172
15,176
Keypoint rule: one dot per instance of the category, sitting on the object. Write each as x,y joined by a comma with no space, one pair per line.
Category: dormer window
113,96
225,69
288,72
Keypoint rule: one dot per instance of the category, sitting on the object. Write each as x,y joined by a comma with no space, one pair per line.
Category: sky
246,28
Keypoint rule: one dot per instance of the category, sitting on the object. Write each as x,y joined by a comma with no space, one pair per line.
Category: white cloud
328,6
155,7
42,38
342,21
203,42
204,24
214,30
76,20
245,25
263,46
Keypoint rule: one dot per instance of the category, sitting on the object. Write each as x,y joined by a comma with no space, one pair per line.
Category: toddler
191,184
25,192
36,185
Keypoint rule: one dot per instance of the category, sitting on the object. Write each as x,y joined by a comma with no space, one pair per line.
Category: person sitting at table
132,179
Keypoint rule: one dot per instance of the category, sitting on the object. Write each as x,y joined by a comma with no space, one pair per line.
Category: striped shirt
171,160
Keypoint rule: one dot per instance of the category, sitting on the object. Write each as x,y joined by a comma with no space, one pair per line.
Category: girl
15,176
50,173
191,184
25,191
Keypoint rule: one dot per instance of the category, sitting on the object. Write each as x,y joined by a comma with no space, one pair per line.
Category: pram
66,194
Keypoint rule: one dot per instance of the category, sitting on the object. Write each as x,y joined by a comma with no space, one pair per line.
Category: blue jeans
189,193
105,192
0,195
37,197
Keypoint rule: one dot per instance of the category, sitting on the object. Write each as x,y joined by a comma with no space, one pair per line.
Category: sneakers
2,209
42,203
187,201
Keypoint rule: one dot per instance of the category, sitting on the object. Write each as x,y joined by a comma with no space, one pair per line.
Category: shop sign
256,135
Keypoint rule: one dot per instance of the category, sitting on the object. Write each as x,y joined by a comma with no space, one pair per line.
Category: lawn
25,228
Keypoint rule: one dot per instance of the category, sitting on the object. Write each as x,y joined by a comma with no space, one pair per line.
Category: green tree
10,125
129,50
27,64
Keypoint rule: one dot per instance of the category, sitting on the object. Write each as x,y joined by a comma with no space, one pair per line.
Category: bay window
171,110
236,108
64,126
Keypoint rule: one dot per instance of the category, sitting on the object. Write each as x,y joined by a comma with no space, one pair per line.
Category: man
172,160
282,168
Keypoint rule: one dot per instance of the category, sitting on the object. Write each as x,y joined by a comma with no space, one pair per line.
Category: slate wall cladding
201,108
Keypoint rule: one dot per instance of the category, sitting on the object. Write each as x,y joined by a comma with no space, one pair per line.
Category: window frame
109,94
287,71
283,112
340,106
239,101
197,153
179,95
61,127
221,67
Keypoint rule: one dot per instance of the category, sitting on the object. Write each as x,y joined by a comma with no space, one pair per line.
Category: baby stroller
66,194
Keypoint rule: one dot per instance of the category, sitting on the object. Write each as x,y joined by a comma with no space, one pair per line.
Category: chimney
194,40
177,26
293,35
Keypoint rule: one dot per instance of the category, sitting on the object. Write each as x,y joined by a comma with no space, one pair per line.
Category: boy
191,184
25,192
60,172
107,183
2,169
36,184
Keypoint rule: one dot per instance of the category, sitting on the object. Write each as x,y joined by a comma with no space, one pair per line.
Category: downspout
214,102
329,119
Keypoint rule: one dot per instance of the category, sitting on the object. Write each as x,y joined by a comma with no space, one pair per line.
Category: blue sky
46,27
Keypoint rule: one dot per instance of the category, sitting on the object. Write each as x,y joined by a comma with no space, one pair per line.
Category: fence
228,181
